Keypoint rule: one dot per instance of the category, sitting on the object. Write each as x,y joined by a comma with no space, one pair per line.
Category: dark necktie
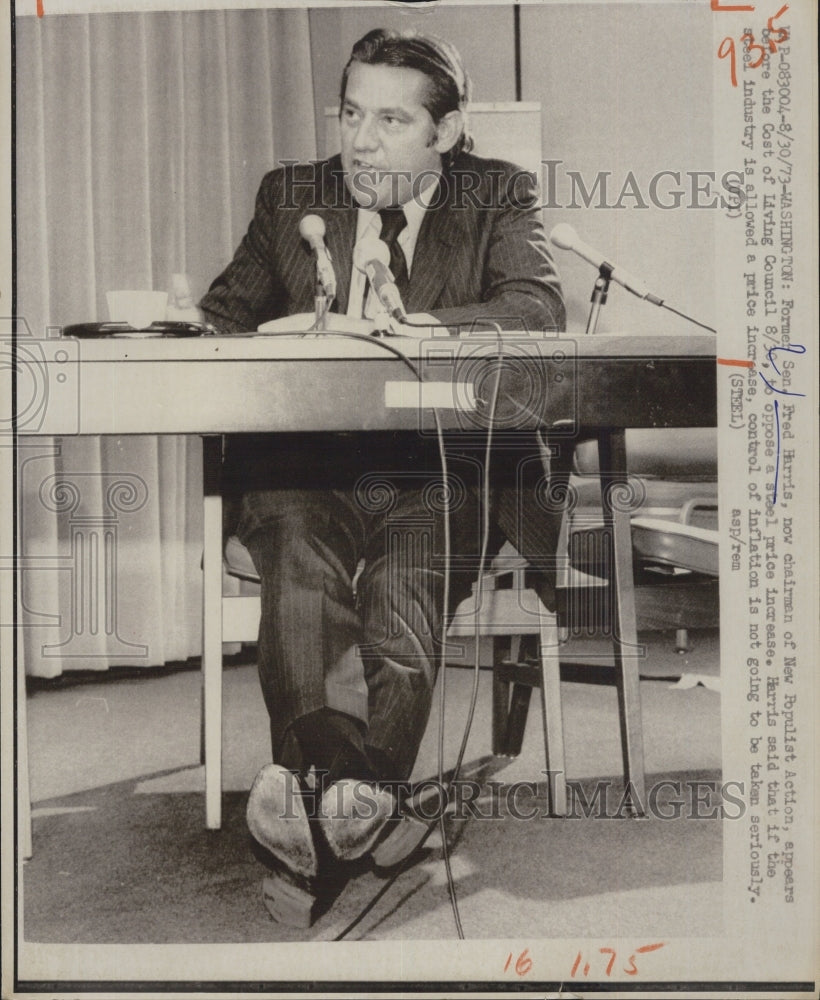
393,222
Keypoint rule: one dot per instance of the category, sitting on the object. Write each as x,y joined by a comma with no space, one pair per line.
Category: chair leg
509,709
23,782
517,719
501,702
212,633
612,461
551,712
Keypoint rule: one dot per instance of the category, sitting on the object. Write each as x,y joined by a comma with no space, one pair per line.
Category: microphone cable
479,591
683,315
568,240
485,531
445,793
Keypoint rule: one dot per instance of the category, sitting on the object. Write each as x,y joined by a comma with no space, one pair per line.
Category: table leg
212,629
616,508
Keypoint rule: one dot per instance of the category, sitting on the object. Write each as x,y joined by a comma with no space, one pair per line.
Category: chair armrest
696,503
237,561
670,543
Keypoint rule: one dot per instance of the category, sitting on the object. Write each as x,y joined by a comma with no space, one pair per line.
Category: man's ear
448,131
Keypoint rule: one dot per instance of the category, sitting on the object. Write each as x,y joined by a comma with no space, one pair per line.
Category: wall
484,38
627,87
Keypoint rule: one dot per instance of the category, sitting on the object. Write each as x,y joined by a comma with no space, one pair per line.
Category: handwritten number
523,964
782,33
776,36
611,962
749,38
631,969
728,50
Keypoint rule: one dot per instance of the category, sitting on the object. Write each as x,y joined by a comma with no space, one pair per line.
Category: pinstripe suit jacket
481,250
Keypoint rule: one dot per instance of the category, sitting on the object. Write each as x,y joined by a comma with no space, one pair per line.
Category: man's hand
429,326
181,306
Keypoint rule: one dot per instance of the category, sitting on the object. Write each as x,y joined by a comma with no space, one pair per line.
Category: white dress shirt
369,224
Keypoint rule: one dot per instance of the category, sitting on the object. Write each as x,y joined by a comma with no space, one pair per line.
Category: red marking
738,363
782,33
40,10
749,38
611,962
523,964
725,50
631,969
717,5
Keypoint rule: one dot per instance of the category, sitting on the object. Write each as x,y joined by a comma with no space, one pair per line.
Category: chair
510,611
674,534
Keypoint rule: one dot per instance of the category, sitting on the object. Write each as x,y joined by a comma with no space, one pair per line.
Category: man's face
389,139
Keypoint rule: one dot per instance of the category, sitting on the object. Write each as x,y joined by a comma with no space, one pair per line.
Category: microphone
373,257
565,237
312,229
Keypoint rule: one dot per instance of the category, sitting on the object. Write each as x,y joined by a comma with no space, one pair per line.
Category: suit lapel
440,239
339,214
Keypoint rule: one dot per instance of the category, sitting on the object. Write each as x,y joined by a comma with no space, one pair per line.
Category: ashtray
162,328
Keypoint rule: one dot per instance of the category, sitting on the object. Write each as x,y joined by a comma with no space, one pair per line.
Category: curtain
141,142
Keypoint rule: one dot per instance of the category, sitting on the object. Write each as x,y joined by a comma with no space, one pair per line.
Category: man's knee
400,604
280,513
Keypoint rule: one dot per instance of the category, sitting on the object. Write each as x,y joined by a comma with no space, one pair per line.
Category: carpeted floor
121,853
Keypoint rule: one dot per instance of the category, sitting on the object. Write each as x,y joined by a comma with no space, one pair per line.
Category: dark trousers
367,643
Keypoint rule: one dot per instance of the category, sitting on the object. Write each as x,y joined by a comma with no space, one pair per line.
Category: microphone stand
322,304
599,294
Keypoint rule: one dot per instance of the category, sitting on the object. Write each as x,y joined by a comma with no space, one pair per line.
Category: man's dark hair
448,84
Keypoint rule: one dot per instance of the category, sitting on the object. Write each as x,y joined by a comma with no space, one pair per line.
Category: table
220,385
572,386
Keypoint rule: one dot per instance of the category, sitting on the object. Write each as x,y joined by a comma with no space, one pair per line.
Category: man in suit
350,626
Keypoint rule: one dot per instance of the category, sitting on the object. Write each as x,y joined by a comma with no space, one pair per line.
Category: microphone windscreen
564,236
311,225
370,249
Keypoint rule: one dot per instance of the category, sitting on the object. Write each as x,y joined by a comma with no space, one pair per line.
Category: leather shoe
353,815
403,840
278,821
